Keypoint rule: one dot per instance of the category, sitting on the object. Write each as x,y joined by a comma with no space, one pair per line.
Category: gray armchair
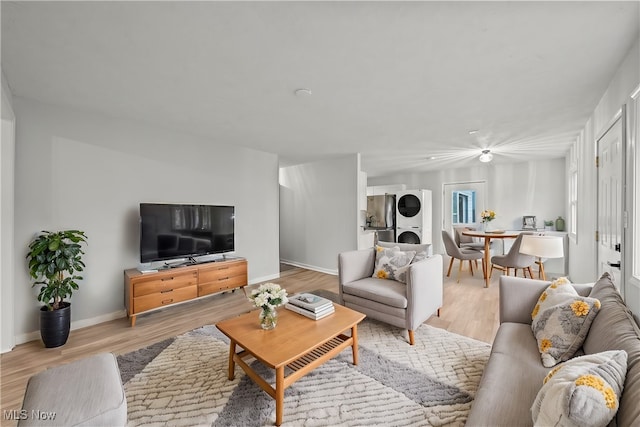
398,304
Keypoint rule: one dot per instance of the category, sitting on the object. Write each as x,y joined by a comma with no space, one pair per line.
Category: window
462,203
573,190
463,208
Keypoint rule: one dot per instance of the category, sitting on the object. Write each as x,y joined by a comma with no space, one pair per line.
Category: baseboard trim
310,267
78,324
264,278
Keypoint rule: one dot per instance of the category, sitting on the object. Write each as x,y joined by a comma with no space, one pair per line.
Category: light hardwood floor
469,309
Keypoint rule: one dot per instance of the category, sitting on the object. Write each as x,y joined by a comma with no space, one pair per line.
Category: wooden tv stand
144,292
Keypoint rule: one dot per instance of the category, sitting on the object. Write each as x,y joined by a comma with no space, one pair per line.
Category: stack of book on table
310,305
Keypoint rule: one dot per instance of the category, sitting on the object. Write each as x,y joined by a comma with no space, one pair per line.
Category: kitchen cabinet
381,190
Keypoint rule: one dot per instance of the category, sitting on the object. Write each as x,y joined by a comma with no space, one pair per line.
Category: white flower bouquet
269,296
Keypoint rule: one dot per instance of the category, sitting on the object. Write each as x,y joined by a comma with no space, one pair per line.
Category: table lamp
542,247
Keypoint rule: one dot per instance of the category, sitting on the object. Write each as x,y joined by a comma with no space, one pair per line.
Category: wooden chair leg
450,265
491,272
544,276
412,340
471,266
459,270
528,269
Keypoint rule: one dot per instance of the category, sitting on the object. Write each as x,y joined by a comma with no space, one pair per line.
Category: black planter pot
55,325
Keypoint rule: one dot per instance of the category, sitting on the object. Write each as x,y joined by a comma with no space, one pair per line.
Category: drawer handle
223,278
167,279
167,291
167,301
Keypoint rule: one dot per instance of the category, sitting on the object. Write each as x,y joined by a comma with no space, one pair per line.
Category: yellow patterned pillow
585,391
392,263
561,320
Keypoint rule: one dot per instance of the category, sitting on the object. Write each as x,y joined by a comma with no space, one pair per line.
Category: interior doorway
462,203
610,171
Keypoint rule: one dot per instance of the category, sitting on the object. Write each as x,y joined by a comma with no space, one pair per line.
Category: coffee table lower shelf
300,367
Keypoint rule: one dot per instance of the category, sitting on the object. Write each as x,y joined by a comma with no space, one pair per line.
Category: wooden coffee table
298,343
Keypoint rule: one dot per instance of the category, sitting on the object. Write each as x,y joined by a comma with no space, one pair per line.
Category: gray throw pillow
583,392
561,321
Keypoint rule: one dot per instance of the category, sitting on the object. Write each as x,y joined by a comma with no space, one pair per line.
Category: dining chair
467,242
461,254
513,259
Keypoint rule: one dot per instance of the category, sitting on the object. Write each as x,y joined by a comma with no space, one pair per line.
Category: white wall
7,195
583,252
88,171
513,190
319,212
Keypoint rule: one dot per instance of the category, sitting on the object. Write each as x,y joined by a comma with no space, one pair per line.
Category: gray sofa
403,305
514,373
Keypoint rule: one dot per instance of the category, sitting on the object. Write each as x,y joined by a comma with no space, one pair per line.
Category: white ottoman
87,392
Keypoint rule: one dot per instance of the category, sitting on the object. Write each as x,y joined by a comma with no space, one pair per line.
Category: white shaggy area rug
183,382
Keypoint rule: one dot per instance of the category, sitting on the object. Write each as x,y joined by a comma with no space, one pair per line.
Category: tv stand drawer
220,285
160,299
165,282
221,277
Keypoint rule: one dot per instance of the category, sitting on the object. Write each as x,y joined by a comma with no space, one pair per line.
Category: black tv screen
177,231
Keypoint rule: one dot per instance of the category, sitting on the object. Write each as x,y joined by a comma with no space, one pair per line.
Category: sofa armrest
518,297
425,290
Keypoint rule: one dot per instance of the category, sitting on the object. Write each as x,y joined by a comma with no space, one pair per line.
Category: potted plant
54,258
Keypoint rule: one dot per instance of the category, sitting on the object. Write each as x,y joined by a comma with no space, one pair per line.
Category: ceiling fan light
486,156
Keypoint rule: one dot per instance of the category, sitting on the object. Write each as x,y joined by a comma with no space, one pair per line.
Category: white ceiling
395,81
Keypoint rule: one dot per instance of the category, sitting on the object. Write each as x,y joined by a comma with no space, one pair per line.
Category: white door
610,201
462,203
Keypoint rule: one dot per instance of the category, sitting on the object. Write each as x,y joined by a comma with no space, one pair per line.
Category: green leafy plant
50,256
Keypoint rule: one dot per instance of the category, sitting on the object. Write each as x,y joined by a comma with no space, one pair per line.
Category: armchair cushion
387,292
392,263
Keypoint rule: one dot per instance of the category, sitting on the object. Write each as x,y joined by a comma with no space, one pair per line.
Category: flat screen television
169,231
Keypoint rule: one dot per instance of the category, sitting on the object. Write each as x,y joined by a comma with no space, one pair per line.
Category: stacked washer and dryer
413,217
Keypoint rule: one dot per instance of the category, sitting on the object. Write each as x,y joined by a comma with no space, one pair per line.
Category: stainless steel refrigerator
381,216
